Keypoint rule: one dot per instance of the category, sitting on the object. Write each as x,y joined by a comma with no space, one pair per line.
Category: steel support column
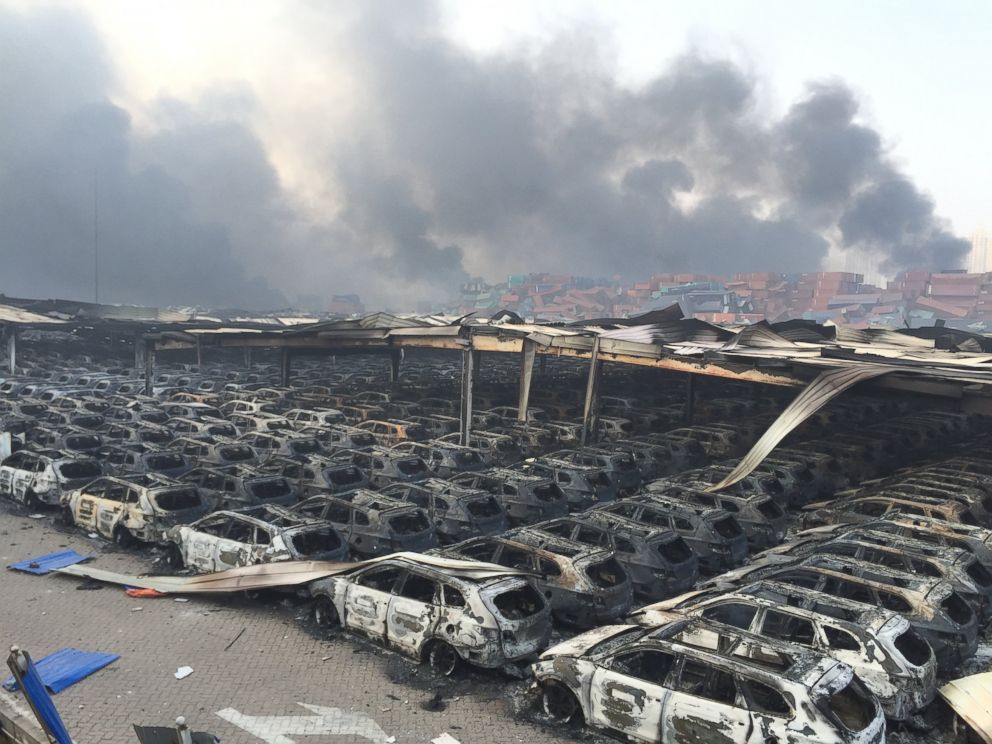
11,351
395,358
140,346
149,368
527,354
590,411
465,428
690,400
247,353
199,355
285,366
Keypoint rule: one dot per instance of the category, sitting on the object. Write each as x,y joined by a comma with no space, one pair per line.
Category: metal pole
466,407
12,350
690,399
589,411
96,238
149,367
139,353
199,355
247,353
285,367
527,354
395,357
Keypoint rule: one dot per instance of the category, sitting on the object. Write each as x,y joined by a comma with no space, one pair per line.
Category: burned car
215,453
384,466
933,608
855,509
526,498
437,610
443,458
907,555
68,438
658,562
896,664
668,685
584,586
319,474
136,508
715,536
238,486
495,449
583,485
373,524
43,477
764,522
619,465
262,534
345,437
457,512
140,459
387,433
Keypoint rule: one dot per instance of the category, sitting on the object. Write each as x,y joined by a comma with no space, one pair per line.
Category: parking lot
277,667
225,468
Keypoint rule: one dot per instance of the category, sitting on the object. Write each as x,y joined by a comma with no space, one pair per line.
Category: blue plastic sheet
44,563
66,667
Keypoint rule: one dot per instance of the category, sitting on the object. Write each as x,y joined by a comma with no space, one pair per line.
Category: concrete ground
279,682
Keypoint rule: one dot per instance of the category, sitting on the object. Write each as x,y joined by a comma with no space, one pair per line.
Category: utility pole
96,238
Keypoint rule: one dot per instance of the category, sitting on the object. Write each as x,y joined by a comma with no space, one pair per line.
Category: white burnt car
262,534
133,508
438,610
670,684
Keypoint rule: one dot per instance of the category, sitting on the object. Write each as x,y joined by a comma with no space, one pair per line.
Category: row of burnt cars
584,561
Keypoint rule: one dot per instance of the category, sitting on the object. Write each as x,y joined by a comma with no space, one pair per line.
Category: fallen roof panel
282,573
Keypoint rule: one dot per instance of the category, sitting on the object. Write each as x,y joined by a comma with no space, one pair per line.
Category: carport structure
935,361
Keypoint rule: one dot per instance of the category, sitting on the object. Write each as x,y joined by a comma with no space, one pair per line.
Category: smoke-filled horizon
444,164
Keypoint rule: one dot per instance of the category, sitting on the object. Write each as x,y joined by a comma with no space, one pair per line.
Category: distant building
346,304
981,252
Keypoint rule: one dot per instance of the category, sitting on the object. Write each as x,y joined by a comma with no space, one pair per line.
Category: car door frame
365,608
616,695
411,623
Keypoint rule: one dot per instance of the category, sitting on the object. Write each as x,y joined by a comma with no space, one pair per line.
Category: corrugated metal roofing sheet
971,698
42,564
66,667
17,316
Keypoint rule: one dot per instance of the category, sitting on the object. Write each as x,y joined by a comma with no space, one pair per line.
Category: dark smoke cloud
67,152
446,164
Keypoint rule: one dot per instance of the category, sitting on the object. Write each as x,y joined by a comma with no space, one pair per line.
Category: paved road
279,679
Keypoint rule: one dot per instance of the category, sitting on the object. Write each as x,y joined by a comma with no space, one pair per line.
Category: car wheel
325,614
66,517
174,557
31,500
443,658
559,703
123,537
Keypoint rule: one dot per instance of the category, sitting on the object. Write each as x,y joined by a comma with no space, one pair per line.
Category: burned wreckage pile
821,598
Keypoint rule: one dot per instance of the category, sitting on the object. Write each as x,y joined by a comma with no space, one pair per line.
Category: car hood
582,643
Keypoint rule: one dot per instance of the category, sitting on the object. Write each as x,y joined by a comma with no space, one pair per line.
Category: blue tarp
45,563
66,667
47,713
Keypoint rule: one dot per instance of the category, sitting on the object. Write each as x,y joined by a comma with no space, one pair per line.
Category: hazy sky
398,147
922,70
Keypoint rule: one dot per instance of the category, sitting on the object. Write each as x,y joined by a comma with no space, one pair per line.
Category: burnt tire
443,659
31,500
174,557
559,703
65,516
123,537
325,614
